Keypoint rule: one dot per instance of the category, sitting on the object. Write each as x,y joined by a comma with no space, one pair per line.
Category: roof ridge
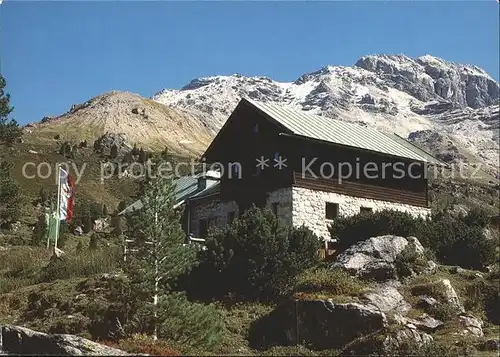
340,132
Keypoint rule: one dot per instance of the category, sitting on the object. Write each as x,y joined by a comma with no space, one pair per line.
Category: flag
66,196
51,223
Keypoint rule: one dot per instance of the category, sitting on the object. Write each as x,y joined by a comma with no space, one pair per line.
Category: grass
324,283
143,344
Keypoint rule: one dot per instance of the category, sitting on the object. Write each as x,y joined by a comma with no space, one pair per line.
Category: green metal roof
185,187
341,132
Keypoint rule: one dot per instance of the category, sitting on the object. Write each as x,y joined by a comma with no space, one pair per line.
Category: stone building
307,169
297,164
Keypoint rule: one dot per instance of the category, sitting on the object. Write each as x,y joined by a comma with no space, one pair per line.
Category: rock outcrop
387,299
407,335
23,341
323,324
429,78
375,257
471,325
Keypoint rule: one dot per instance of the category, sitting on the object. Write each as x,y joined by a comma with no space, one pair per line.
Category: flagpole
58,222
48,223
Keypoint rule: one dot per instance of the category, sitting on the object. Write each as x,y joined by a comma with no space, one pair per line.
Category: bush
327,280
443,311
254,258
454,240
353,229
181,322
409,262
190,324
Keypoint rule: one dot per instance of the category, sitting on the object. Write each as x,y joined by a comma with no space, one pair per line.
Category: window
230,217
274,207
332,210
203,229
365,210
236,169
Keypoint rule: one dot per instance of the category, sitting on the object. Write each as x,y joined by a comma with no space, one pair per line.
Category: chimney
202,183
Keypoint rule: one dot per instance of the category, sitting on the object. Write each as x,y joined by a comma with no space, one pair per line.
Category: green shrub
353,229
181,322
189,323
443,311
454,240
254,258
327,280
289,351
409,262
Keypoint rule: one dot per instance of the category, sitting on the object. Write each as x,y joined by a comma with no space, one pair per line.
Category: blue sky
55,54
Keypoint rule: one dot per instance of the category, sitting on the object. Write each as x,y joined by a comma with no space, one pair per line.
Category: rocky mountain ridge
419,98
139,120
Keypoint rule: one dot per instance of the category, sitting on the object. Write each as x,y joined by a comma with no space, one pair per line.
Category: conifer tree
10,196
160,257
10,131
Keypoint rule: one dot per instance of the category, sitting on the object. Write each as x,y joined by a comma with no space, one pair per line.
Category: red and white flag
66,196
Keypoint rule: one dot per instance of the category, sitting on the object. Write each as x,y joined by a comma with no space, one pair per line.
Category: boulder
387,299
408,335
322,324
431,267
492,345
23,341
451,295
426,301
375,257
425,323
101,225
471,325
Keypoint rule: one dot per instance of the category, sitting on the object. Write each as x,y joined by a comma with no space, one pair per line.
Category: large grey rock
408,334
323,324
451,295
23,341
375,257
492,345
471,325
425,323
387,299
426,301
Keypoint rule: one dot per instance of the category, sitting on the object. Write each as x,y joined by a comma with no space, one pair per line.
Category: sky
55,54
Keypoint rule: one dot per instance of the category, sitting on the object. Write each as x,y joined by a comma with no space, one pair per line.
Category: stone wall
213,208
296,206
210,208
309,208
283,197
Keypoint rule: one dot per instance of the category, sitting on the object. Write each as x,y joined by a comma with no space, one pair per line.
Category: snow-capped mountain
449,108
